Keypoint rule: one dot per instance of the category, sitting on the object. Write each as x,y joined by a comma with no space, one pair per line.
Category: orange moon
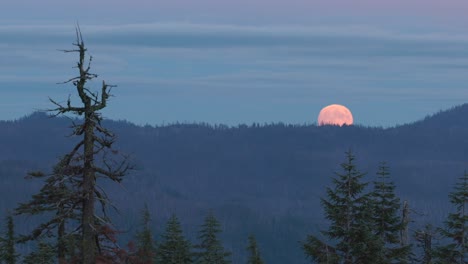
335,114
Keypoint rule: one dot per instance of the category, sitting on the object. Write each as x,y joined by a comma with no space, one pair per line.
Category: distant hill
261,179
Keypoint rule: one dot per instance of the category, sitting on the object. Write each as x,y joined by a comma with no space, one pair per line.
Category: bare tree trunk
405,222
89,181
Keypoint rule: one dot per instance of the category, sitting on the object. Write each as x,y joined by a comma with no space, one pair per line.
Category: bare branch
69,80
62,109
105,131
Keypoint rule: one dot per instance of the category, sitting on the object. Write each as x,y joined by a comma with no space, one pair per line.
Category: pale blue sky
241,61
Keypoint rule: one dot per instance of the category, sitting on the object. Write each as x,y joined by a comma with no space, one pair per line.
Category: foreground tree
424,239
349,210
388,223
210,249
8,253
320,251
174,248
57,196
455,230
44,254
146,250
254,252
71,190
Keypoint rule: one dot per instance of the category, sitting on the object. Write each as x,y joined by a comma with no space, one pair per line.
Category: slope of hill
262,179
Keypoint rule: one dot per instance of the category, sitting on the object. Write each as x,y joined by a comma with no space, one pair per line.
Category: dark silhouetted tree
57,195
254,256
210,250
71,191
349,210
174,248
319,251
455,230
44,254
8,253
146,249
388,223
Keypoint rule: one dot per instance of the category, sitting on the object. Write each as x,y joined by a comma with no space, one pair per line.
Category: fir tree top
254,252
174,248
211,250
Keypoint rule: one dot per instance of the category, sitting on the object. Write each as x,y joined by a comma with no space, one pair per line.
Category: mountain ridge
262,179
439,115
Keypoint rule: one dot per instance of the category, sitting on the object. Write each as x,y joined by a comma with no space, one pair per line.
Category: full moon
335,114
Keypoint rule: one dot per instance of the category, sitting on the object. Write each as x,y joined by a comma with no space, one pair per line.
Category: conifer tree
8,253
146,252
174,248
349,211
71,194
455,230
319,251
388,224
254,252
44,254
210,249
57,196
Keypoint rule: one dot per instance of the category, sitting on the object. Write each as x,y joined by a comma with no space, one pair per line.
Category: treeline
172,248
368,223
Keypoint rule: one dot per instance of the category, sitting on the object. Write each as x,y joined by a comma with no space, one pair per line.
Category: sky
233,62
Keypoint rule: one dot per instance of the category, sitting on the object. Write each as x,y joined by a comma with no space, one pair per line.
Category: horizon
243,62
315,124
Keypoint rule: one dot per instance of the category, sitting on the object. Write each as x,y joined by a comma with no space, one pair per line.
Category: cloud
276,66
117,44
238,11
212,35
